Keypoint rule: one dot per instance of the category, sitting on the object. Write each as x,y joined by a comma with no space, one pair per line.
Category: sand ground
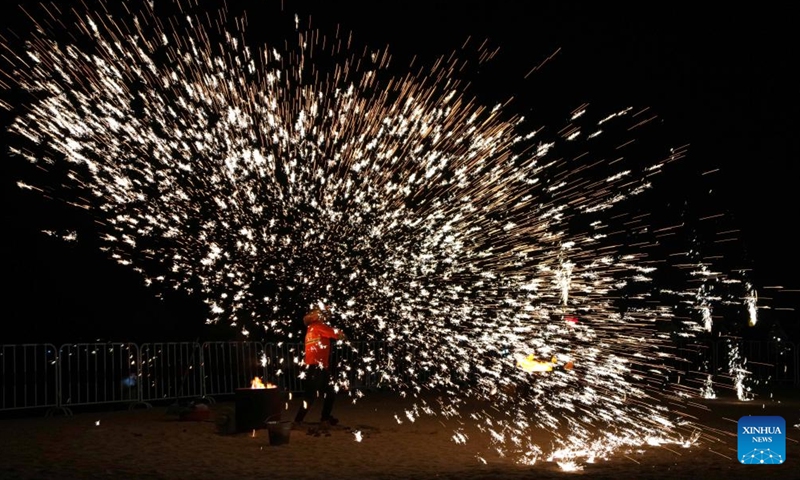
155,444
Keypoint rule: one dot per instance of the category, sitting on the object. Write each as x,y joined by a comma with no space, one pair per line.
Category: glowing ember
570,466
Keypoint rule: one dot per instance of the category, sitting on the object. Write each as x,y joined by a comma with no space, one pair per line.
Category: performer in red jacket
317,364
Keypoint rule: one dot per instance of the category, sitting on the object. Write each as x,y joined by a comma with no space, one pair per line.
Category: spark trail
456,233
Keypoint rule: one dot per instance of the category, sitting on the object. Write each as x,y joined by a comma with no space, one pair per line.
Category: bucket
279,432
254,406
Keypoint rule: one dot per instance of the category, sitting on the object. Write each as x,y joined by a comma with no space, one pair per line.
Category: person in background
317,364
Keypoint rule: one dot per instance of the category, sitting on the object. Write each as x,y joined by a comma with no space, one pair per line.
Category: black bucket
279,432
254,406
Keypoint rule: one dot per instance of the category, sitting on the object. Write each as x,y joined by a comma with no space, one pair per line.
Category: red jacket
318,343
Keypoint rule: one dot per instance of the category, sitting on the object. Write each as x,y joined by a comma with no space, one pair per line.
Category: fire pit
257,405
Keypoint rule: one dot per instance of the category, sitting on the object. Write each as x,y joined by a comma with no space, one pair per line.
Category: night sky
719,81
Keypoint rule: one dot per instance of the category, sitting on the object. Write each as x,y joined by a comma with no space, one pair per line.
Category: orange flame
257,383
530,364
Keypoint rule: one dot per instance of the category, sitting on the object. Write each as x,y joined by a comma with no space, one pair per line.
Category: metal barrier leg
203,389
139,393
203,394
59,407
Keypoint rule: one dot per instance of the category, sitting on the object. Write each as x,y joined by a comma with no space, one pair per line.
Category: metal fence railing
169,371
98,373
28,376
770,363
44,376
282,365
234,364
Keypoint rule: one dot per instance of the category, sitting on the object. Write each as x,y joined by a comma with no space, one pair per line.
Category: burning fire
257,383
530,364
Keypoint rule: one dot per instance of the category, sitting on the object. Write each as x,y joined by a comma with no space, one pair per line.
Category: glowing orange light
530,364
257,383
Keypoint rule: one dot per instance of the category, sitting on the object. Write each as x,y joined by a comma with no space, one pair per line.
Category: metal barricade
40,375
230,365
771,362
96,373
282,365
170,371
28,376
767,363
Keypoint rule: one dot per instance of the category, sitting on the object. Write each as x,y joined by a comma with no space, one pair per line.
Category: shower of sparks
751,301
708,388
736,367
459,235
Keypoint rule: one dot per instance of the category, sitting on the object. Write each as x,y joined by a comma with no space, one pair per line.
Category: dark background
718,79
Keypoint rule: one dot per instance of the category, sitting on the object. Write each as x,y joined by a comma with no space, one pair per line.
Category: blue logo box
762,440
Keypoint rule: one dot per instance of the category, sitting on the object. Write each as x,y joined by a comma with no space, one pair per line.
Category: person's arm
330,332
